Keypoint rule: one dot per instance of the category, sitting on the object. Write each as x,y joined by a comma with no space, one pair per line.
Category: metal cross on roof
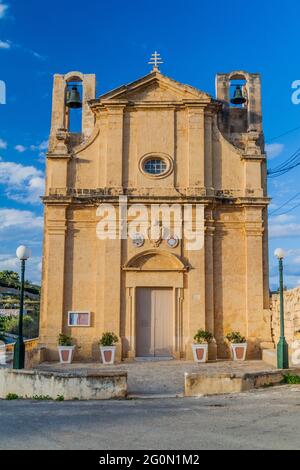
155,61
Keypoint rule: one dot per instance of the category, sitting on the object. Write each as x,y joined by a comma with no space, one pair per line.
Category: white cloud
41,148
33,266
15,219
8,262
23,183
36,189
3,9
5,44
284,231
284,226
283,218
18,227
29,51
20,148
273,150
3,144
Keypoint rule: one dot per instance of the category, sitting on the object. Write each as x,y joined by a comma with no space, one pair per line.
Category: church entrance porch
154,322
162,377
153,314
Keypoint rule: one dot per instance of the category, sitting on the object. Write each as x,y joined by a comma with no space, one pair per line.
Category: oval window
155,166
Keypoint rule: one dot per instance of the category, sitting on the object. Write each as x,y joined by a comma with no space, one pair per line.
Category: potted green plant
238,345
108,348
200,346
65,349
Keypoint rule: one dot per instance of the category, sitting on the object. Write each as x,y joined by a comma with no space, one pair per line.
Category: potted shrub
65,349
108,348
238,345
200,347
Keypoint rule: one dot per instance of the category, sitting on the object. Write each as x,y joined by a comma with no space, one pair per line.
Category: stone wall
70,385
291,314
198,384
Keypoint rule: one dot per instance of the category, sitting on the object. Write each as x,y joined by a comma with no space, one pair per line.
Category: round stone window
156,166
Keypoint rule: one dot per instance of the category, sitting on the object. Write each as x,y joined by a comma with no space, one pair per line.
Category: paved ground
164,377
263,419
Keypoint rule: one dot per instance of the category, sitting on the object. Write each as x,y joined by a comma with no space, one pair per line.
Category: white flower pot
108,354
66,354
200,352
239,351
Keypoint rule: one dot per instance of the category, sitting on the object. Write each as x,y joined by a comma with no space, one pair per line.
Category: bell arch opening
73,102
238,91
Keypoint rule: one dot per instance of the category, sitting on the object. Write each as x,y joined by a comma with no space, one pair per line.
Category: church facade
144,149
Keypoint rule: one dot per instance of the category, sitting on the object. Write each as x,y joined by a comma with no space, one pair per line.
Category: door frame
131,315
170,289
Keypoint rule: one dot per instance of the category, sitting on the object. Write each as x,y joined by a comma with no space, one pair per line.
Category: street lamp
282,346
23,253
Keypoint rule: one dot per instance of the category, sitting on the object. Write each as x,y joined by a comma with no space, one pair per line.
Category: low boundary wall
89,386
199,384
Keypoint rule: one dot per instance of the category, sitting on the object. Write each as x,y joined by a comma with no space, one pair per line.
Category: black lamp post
23,253
282,346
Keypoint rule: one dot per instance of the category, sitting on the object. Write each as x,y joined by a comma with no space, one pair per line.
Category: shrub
235,337
203,336
30,325
60,398
291,379
12,396
4,323
64,340
108,339
41,397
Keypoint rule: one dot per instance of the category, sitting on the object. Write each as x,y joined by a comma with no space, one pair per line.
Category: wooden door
154,322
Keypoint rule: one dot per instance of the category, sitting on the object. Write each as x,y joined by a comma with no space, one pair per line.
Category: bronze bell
73,98
238,97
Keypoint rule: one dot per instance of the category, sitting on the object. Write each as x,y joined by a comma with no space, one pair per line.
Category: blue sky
114,39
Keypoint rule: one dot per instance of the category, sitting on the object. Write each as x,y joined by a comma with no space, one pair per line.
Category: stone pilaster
89,93
195,149
196,286
209,286
208,156
258,327
58,119
111,309
52,314
114,156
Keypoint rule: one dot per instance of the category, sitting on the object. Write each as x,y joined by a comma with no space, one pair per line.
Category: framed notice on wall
79,318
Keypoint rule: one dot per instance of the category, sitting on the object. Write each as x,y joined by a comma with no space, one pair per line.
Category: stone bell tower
241,125
61,114
62,140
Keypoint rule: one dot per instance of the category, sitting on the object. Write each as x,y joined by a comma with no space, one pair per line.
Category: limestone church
156,142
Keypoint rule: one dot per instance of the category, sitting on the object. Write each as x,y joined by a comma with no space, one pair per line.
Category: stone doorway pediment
155,260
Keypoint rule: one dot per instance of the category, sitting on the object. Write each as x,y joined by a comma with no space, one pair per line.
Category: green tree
3,324
10,278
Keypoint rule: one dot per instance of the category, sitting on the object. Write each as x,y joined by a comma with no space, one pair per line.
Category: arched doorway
154,296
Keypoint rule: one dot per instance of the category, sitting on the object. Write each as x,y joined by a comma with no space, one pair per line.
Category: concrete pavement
261,419
162,377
